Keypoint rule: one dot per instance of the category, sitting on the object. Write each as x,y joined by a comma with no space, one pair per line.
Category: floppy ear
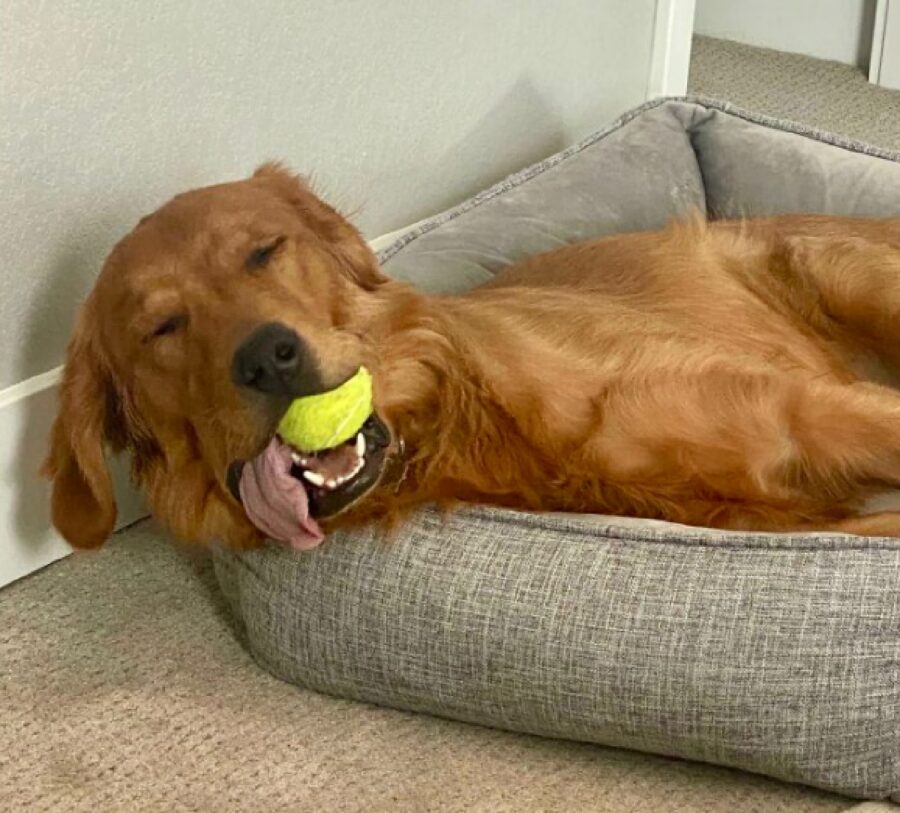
342,239
83,506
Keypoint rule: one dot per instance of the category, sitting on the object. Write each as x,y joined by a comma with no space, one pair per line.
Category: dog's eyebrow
156,302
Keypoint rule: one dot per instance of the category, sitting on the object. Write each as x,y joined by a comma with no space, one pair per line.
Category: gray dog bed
774,653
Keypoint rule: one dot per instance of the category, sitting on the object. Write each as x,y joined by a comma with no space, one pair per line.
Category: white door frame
878,41
884,63
670,53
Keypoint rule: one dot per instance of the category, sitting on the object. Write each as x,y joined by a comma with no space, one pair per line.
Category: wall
397,108
840,30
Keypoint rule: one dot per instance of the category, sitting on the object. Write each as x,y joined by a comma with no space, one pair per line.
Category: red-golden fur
733,375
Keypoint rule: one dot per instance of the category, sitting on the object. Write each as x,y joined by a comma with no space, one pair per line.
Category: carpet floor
831,96
123,685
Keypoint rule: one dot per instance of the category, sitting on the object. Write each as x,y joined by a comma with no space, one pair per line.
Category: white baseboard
28,541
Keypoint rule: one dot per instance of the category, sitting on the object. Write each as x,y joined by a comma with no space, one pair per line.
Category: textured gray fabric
747,174
775,653
635,175
778,654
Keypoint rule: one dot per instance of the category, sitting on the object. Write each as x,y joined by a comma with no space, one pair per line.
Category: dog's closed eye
260,256
168,326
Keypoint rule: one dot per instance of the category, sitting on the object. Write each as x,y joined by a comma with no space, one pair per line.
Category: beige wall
398,108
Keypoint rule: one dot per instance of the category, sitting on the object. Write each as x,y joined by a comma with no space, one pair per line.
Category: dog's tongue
275,501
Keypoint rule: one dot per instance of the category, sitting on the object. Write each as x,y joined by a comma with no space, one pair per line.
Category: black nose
275,360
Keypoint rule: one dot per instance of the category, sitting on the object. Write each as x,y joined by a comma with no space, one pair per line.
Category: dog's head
207,320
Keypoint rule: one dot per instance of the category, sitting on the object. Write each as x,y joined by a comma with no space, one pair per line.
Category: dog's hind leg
813,450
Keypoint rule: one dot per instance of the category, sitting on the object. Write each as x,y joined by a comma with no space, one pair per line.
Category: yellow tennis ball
323,421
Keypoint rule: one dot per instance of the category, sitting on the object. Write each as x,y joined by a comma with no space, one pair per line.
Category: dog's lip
233,478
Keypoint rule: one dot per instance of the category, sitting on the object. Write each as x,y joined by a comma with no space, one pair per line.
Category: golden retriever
730,374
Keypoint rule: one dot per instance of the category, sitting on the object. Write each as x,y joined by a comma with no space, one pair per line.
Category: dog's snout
275,360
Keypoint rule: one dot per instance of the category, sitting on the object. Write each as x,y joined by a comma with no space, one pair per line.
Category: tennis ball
322,421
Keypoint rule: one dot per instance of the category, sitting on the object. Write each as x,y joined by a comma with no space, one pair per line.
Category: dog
735,375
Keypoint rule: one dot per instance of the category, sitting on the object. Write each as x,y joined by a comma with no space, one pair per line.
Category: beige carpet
123,688
828,95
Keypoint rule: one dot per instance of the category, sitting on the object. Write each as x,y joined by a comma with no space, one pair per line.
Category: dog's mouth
336,478
285,491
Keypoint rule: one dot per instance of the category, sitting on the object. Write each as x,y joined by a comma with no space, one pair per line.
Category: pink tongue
275,501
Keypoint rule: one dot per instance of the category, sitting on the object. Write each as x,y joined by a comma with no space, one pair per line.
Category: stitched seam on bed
789,126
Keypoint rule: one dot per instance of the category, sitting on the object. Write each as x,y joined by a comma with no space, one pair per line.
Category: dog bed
778,654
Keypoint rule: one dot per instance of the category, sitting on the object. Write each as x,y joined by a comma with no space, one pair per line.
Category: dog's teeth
315,478
299,459
361,445
332,484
